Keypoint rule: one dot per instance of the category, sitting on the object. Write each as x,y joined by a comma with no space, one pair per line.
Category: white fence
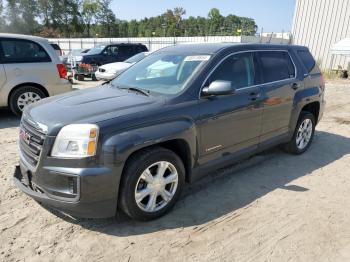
155,43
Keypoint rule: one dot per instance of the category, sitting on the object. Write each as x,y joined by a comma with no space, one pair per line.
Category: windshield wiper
131,88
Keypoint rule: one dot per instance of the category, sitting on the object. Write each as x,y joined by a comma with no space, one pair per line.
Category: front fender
118,147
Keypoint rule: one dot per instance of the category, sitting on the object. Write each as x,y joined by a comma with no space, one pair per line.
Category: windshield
162,73
75,52
136,58
96,50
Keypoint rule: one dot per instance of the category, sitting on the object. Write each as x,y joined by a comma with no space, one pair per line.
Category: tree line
95,18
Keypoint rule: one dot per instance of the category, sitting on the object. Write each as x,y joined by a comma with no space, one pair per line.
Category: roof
212,48
341,48
18,36
117,43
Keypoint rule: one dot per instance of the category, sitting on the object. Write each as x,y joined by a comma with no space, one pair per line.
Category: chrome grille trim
32,147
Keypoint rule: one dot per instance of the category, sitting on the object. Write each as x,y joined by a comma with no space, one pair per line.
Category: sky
271,15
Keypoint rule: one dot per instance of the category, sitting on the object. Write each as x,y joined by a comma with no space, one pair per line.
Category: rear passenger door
279,85
125,52
2,71
2,76
26,61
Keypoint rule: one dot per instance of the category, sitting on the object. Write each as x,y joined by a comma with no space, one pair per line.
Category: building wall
318,24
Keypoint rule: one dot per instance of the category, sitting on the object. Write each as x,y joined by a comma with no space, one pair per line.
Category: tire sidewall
303,116
17,93
132,176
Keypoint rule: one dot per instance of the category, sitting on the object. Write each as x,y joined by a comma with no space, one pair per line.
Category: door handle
295,86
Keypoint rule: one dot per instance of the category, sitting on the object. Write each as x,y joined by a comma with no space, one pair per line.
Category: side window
307,59
112,50
23,51
141,48
127,50
238,69
276,65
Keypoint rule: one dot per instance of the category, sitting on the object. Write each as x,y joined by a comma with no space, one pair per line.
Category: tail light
62,70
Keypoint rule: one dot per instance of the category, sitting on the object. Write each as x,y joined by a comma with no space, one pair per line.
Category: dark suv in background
176,115
105,54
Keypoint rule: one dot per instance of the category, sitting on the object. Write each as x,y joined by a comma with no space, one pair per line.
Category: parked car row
31,68
132,143
87,63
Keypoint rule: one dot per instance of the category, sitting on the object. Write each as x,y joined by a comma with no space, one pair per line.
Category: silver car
30,70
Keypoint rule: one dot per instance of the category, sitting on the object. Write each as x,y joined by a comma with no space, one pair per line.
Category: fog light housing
72,185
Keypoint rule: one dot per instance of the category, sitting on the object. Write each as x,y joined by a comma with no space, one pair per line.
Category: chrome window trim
251,51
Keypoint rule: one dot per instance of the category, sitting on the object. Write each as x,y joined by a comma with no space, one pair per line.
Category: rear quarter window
307,59
276,66
23,51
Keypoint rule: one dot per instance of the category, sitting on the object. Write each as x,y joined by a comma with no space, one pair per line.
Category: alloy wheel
304,134
156,186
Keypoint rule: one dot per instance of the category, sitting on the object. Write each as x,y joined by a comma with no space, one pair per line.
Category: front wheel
303,134
151,184
24,96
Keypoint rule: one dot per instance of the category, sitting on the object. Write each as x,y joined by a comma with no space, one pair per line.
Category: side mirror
218,88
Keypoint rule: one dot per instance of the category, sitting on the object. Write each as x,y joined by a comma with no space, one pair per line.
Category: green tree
77,18
13,16
216,21
106,18
89,13
2,20
29,12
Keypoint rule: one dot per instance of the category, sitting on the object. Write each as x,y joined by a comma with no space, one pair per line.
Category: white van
30,70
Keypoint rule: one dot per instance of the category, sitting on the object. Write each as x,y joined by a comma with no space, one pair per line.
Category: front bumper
105,75
95,194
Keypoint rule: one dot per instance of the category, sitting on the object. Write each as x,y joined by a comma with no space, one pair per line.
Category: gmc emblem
24,136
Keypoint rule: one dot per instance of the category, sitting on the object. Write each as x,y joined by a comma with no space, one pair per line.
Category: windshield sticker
197,58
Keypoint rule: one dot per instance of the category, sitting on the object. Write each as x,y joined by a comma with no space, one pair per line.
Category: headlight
76,141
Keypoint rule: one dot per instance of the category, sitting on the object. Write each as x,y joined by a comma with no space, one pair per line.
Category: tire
93,77
23,96
134,183
80,77
302,139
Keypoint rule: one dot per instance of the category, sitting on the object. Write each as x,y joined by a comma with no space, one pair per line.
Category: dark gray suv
178,114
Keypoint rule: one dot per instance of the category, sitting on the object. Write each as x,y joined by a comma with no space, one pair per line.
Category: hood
115,67
88,106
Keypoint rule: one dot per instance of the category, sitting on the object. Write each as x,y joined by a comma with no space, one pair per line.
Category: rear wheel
151,184
303,134
24,96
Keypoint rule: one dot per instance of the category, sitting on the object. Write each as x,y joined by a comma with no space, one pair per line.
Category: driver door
231,124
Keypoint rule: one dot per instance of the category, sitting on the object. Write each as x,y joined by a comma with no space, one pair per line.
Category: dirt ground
272,207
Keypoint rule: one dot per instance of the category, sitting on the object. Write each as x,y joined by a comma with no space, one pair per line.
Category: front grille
31,141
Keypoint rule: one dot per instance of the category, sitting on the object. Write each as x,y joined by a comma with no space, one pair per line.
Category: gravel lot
272,207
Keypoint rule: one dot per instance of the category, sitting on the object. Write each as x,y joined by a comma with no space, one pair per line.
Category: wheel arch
313,108
179,146
42,88
179,135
